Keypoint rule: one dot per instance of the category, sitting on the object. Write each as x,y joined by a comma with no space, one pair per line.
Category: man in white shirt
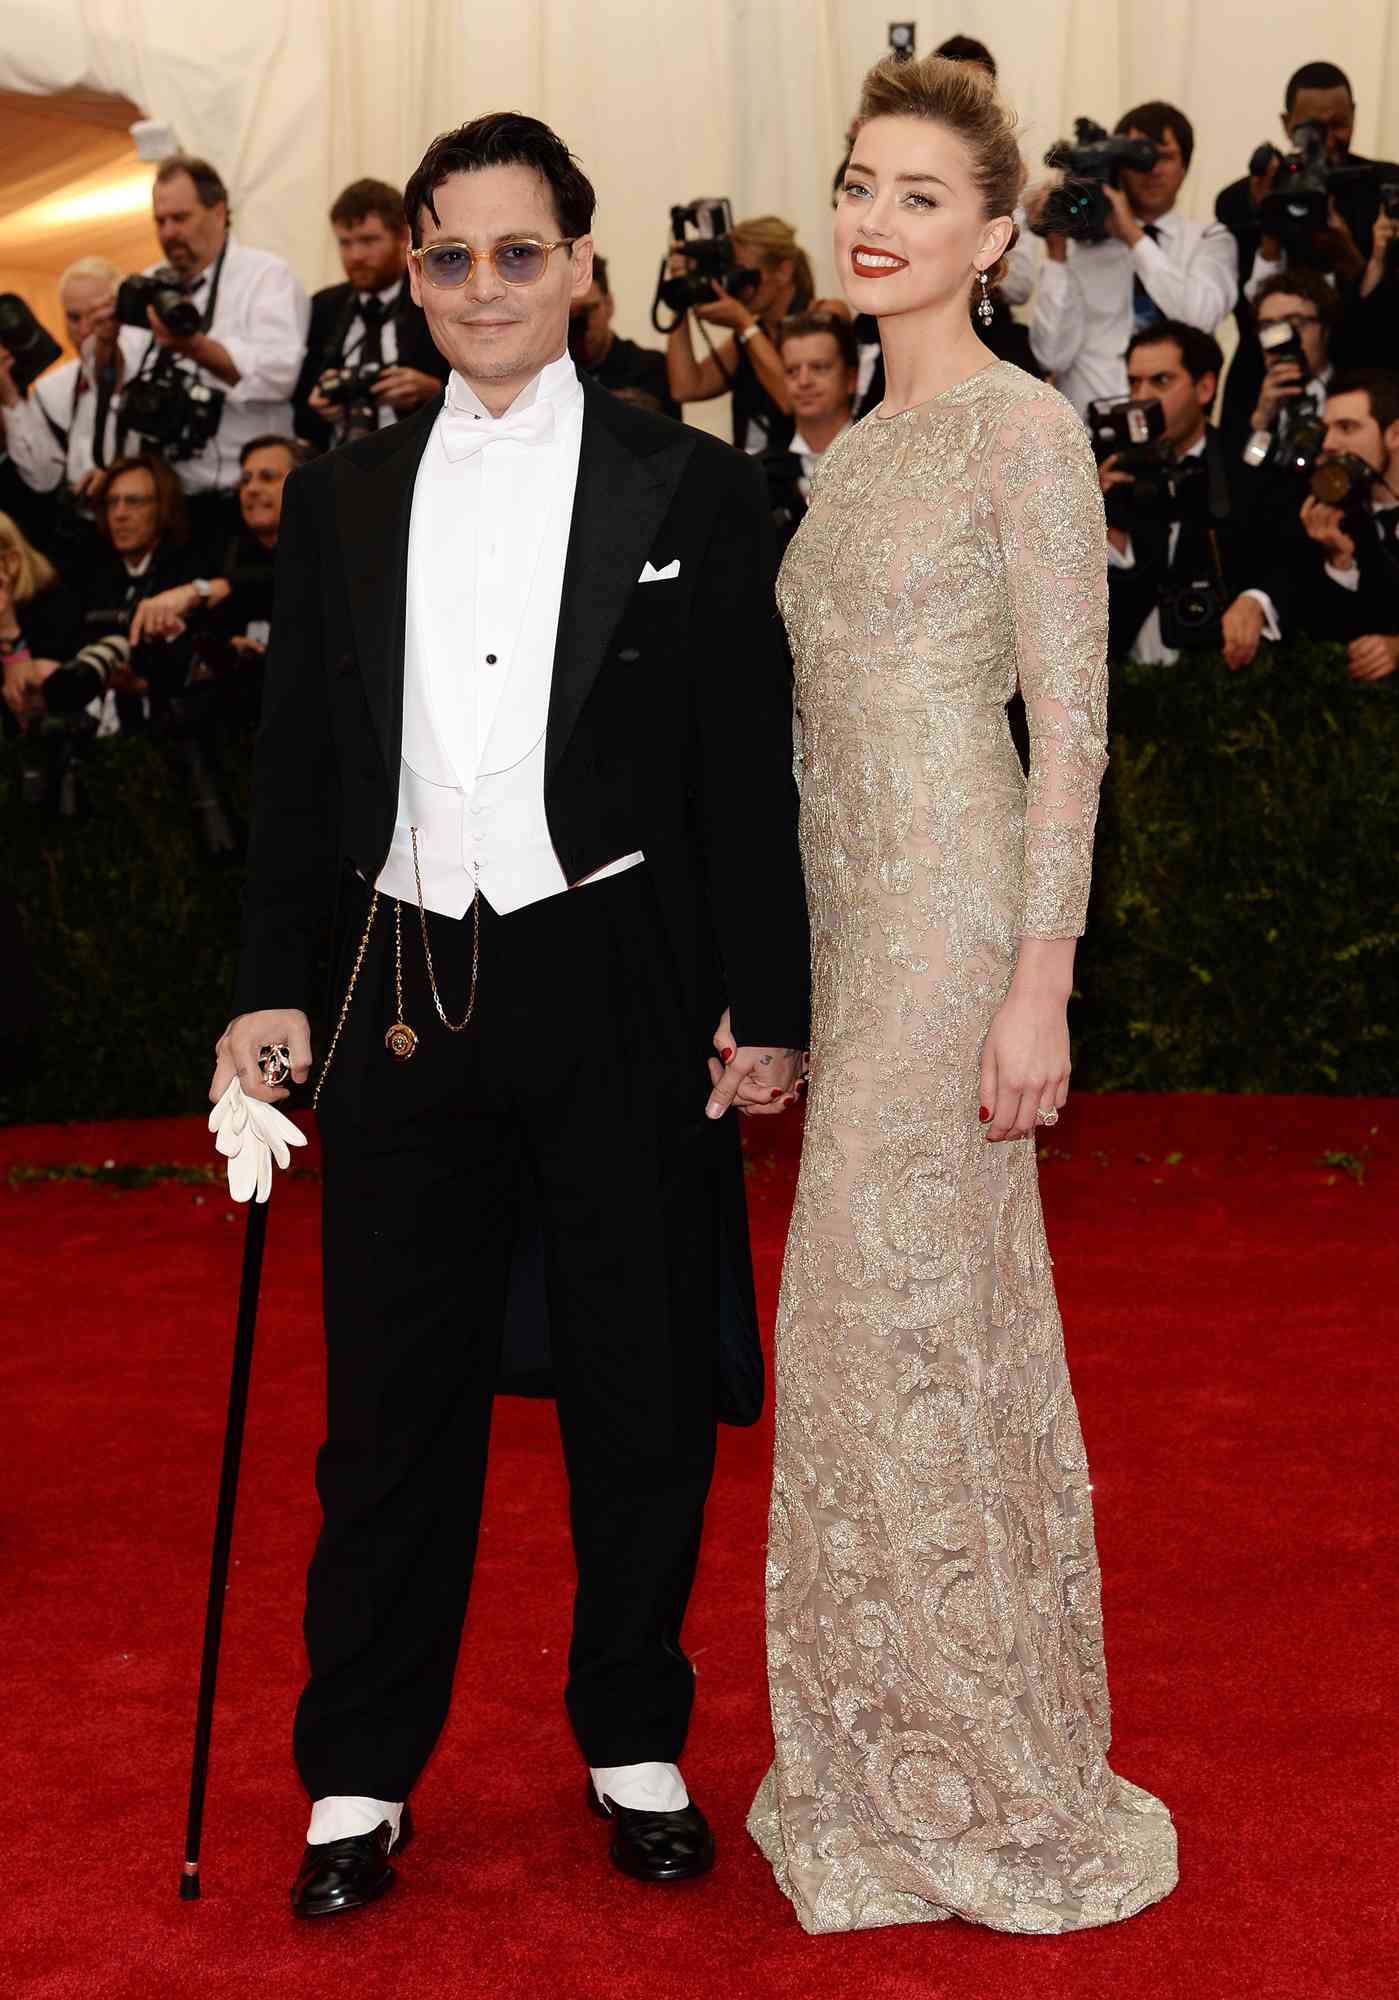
1153,264
242,361
491,734
52,434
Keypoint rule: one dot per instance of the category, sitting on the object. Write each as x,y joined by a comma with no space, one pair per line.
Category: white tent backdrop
661,99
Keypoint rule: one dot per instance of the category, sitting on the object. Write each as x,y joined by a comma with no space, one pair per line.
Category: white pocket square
651,575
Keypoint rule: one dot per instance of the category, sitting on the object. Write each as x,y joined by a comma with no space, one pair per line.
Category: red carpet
1230,1305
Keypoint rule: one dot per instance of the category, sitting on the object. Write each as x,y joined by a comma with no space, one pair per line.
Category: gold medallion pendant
400,1041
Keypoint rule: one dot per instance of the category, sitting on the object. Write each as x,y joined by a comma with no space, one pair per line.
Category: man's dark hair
1380,385
297,449
362,199
836,324
600,275
1200,353
1300,283
1155,120
503,139
1316,76
208,181
966,48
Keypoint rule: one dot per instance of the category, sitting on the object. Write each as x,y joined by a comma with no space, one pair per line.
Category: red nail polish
727,1054
982,1113
774,1094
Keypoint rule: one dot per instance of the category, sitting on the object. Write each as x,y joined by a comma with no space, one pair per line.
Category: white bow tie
464,433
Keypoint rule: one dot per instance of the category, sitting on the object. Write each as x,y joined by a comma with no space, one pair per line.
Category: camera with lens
174,411
1343,479
163,292
351,390
1078,207
1163,487
1192,615
1296,207
31,347
703,231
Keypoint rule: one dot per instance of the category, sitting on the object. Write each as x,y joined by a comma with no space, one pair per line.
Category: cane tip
189,1882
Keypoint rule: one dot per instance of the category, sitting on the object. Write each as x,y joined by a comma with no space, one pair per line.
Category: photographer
1352,521
369,356
637,374
205,392
821,364
748,365
40,619
64,430
1295,314
1180,554
1151,264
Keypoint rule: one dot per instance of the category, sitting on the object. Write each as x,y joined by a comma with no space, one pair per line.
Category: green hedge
1244,933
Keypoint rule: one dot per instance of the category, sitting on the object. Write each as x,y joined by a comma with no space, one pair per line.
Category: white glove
250,1135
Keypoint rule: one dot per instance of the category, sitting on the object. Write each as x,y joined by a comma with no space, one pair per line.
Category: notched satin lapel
618,507
373,505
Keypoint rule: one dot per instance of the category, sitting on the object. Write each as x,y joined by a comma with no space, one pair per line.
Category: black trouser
579,1065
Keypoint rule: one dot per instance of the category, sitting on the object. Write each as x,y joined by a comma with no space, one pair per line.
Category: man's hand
404,389
237,1051
163,615
1323,524
760,1081
1336,249
1242,628
90,485
1119,220
1261,184
1109,475
10,397
1283,382
1375,657
1386,231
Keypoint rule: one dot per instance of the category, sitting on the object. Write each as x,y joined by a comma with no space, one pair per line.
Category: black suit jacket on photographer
333,313
1246,549
1332,611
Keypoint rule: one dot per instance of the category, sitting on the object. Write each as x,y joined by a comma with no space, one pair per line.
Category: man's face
1351,427
260,486
89,306
818,381
494,333
373,255
1335,109
590,327
1156,372
129,507
1154,193
1304,317
191,235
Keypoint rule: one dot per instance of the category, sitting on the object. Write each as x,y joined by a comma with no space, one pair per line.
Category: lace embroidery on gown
935,1646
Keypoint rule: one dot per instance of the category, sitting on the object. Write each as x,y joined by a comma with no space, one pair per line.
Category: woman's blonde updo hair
961,96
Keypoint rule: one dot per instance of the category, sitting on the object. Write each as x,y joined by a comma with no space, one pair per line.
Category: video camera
350,389
703,229
31,347
1297,206
1078,208
163,292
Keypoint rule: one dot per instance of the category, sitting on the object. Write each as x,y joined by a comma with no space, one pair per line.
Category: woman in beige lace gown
935,1644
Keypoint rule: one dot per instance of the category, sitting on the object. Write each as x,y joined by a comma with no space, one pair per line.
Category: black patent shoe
656,1846
346,1874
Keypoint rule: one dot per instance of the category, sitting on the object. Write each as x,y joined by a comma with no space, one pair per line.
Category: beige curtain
661,99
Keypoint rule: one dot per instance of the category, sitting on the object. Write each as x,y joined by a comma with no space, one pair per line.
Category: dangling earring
985,311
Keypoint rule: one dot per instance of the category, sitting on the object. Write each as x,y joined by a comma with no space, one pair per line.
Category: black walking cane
253,1243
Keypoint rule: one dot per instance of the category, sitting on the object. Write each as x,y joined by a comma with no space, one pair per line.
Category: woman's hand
1025,1063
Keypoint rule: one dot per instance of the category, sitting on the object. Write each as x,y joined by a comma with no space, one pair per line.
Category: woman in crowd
40,619
748,365
935,1645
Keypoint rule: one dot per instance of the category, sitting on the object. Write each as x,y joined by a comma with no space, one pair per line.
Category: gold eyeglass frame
489,257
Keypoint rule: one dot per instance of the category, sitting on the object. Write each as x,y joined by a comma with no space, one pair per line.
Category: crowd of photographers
140,483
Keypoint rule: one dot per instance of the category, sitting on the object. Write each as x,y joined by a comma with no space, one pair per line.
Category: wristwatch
748,333
201,587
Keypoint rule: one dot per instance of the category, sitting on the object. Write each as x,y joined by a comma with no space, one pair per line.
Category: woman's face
909,228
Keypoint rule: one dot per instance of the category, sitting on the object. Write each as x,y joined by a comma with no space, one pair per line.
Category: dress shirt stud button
490,659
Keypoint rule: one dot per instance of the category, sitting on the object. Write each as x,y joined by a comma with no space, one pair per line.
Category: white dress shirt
261,316
67,395
388,341
486,553
810,457
1083,316
1149,647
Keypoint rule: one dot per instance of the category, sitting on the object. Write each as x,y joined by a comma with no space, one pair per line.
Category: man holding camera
1180,553
1151,264
64,430
227,374
1352,520
635,373
369,356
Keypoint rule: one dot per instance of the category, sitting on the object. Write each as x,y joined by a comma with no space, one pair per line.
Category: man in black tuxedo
1352,583
528,719
371,320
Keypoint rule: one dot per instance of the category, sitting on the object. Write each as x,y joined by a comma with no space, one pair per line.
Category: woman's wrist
1044,970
